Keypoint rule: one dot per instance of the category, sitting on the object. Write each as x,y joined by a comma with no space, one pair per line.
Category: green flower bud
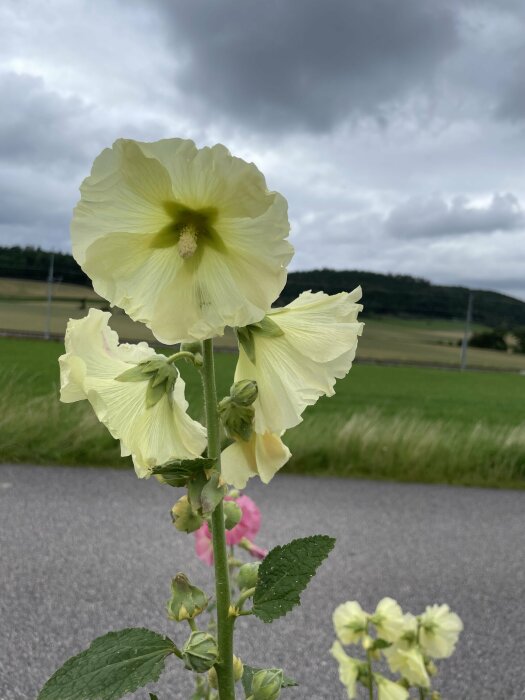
236,419
244,393
247,576
200,652
184,517
238,670
435,695
186,601
196,349
232,514
266,684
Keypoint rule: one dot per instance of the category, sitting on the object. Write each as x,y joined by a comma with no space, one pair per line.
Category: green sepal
152,696
267,327
187,601
245,338
380,644
212,494
113,665
180,471
135,374
154,393
284,574
195,487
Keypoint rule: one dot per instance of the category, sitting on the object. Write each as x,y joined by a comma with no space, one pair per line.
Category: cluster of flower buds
408,643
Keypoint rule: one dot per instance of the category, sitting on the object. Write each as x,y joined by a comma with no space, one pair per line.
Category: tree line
383,295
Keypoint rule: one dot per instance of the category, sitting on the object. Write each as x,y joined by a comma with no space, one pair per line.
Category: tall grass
407,447
370,444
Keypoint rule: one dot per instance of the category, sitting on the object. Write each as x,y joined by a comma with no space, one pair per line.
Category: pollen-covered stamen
187,244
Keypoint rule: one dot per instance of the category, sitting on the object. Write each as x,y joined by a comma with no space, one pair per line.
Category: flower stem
224,666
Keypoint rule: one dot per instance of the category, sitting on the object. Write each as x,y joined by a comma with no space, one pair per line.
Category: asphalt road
84,551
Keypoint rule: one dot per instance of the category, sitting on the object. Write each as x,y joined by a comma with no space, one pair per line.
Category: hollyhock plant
189,241
185,240
396,637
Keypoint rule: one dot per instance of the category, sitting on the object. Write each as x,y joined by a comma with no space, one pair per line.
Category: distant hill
383,295
402,295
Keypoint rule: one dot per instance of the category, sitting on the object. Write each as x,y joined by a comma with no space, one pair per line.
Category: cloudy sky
395,128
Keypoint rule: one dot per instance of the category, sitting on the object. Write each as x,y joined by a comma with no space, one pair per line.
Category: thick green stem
224,666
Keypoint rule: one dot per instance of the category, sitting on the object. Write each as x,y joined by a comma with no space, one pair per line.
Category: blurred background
395,130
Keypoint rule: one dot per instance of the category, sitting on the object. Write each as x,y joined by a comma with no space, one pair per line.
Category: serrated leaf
250,671
284,574
212,494
114,665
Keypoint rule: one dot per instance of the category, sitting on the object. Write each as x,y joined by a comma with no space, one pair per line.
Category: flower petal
262,454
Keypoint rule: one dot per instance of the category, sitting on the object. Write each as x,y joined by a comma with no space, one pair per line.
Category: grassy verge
394,423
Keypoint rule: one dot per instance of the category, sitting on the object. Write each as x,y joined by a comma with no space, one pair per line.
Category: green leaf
212,494
152,696
114,665
195,487
284,574
180,471
250,671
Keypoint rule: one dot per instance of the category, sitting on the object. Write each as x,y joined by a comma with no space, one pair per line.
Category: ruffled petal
262,455
152,436
127,225
292,370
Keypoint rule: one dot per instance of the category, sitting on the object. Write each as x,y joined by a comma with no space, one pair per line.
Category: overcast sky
395,128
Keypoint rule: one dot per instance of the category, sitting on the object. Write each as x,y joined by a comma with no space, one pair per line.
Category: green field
385,340
398,423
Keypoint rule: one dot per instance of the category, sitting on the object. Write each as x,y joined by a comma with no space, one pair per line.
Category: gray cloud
291,65
434,217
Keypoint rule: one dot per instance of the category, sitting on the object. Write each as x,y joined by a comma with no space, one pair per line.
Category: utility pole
468,321
47,332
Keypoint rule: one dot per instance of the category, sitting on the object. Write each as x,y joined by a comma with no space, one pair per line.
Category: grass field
398,423
387,340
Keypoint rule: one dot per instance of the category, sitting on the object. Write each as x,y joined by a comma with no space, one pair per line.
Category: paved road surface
84,551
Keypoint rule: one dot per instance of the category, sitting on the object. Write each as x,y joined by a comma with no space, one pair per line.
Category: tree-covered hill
393,295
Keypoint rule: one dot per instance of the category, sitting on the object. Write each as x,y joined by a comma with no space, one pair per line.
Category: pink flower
246,528
256,551
249,524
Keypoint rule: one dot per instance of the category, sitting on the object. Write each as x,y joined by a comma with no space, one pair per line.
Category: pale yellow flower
350,622
296,354
348,669
406,659
151,435
388,690
185,240
261,455
389,620
439,631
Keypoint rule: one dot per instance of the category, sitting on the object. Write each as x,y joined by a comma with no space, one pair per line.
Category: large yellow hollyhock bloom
186,241
296,354
152,426
262,454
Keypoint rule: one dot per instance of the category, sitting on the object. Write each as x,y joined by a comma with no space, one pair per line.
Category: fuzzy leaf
114,665
250,671
284,574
